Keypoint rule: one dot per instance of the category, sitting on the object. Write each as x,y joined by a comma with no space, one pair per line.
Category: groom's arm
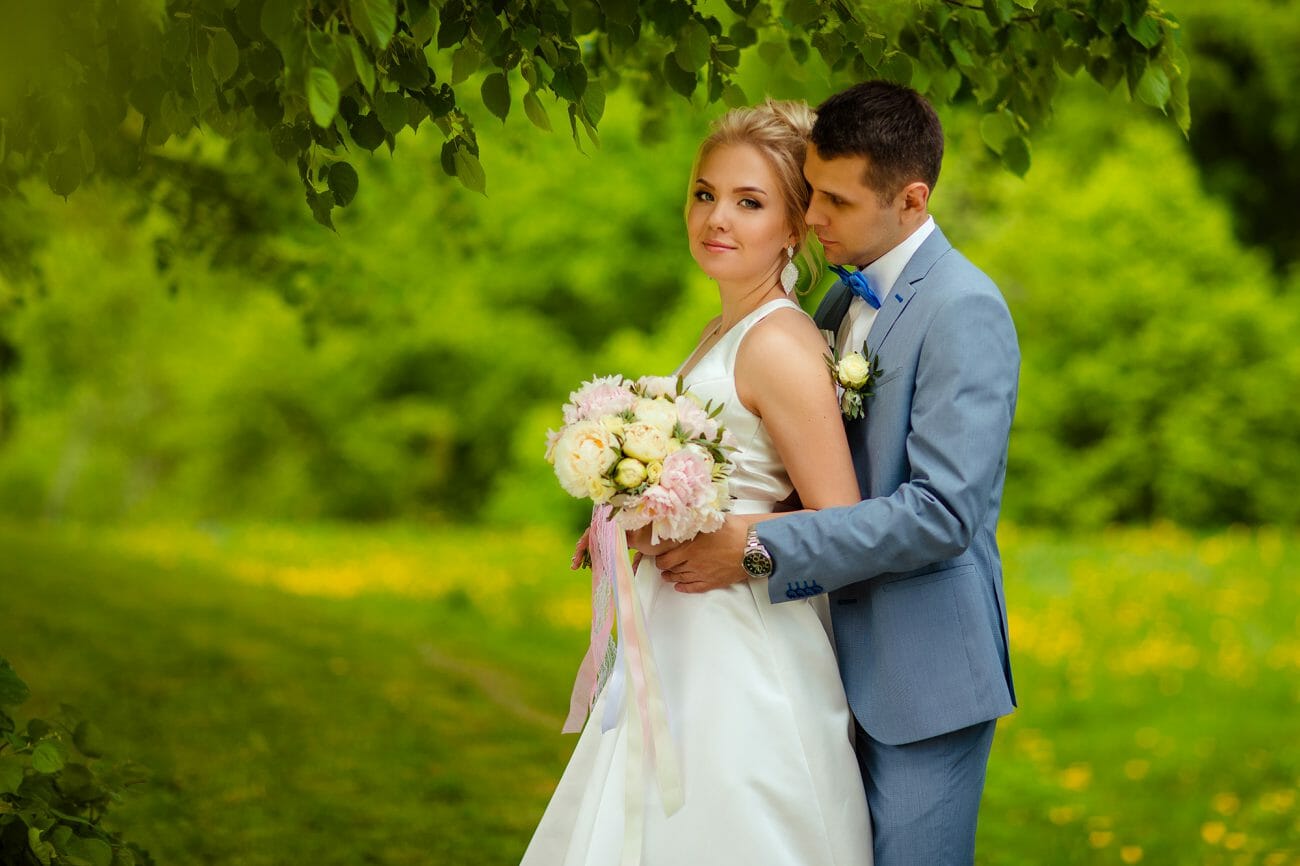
961,414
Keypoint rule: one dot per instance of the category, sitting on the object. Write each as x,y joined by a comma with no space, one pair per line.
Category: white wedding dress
755,707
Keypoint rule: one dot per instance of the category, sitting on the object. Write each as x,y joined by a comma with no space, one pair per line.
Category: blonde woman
755,706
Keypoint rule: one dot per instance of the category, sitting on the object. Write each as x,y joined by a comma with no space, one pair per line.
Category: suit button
790,593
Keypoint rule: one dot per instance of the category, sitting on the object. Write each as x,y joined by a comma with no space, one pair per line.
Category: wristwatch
755,559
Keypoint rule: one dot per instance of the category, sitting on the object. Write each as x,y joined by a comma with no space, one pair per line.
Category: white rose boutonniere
855,378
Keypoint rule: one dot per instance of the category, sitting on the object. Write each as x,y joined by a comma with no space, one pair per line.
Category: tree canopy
84,92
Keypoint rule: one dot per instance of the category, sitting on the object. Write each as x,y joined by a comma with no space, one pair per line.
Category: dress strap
737,333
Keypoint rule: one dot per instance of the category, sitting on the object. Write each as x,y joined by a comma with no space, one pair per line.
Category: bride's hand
639,540
582,552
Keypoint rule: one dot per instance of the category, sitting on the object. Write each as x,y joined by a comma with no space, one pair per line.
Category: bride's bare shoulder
780,333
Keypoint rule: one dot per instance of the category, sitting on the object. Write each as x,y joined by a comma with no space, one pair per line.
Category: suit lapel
831,311
891,308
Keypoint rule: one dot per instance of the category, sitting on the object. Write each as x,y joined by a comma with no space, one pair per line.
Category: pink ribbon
648,735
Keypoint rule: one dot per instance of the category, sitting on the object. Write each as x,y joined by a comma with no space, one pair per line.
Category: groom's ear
915,197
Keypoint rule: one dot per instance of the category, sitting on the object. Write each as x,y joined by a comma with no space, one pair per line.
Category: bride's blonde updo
779,130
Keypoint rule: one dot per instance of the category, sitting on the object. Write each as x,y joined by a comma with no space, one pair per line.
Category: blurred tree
1248,119
81,92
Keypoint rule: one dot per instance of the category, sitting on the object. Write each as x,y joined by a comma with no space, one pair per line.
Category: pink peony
694,420
603,395
658,386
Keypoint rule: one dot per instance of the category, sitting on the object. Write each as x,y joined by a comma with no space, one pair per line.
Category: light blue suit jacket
913,571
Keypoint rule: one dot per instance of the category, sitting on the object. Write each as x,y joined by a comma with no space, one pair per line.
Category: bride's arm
781,376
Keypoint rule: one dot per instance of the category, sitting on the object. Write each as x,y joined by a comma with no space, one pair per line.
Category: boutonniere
855,378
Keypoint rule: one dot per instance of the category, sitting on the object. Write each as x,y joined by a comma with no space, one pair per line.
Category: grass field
394,695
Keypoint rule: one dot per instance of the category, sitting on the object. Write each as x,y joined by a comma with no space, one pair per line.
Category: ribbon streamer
634,684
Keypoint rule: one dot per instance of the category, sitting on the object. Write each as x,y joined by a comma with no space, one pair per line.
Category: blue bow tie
858,285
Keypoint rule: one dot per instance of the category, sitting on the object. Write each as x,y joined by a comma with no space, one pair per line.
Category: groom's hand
709,561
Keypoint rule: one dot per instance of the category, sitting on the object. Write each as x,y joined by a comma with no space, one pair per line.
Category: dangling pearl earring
790,273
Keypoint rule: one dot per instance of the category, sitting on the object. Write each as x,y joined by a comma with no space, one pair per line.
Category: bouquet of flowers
647,448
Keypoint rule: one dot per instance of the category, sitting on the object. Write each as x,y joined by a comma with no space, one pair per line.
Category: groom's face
853,223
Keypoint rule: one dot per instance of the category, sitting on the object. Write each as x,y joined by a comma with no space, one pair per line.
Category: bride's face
736,221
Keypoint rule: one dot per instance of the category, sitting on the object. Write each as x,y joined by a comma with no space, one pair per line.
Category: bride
754,701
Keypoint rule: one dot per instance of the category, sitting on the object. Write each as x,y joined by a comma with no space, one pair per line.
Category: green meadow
341,695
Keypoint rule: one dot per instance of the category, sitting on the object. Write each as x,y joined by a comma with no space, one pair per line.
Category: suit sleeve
962,407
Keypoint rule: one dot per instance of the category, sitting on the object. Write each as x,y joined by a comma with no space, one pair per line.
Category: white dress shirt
881,275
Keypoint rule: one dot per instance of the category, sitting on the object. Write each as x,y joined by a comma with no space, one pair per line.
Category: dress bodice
759,476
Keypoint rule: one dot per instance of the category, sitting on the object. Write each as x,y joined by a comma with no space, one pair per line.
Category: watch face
757,563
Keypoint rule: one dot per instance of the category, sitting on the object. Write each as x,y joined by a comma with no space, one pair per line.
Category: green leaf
1015,156
1147,31
801,12
678,79
76,782
693,46
469,172
1026,4
997,129
88,739
321,203
279,20
343,183
97,852
391,111
64,171
13,691
464,63
365,69
11,773
536,111
367,131
734,96
496,94
43,850
322,96
223,56
1154,88
620,11
376,20
593,100
46,758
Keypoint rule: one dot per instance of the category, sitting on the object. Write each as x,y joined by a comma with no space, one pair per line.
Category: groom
912,570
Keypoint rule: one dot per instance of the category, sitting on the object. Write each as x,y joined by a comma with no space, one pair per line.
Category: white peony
645,441
584,453
659,412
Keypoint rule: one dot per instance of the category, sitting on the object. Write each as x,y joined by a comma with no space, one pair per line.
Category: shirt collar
884,271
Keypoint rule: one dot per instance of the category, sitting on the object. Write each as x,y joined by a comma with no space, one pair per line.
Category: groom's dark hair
889,124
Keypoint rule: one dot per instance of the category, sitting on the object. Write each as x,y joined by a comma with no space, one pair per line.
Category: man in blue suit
913,570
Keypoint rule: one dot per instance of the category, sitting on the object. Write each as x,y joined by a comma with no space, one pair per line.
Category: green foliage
83,91
54,791
1157,358
412,366
1248,119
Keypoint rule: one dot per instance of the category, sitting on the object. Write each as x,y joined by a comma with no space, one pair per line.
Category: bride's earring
790,273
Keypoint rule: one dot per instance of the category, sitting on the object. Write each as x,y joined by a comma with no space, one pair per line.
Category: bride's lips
716,246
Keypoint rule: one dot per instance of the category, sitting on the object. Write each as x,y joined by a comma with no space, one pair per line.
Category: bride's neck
738,301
